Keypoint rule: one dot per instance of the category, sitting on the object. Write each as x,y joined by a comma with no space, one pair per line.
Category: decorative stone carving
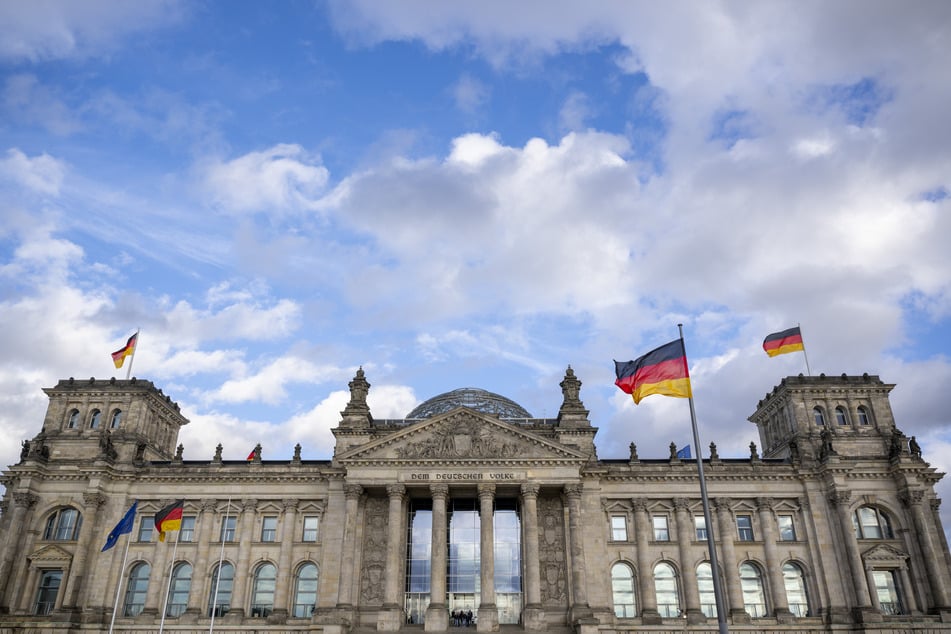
374,552
465,437
840,498
22,498
682,503
94,499
551,551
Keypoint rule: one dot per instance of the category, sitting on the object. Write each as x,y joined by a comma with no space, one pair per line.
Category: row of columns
437,614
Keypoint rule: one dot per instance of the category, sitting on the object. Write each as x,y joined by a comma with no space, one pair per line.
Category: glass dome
473,398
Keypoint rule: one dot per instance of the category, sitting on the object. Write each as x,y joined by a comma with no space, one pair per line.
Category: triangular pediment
883,553
459,436
50,554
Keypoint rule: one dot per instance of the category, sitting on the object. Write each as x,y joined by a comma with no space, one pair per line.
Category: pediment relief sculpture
883,553
51,555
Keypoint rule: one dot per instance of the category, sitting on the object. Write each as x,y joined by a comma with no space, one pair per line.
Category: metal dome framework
473,398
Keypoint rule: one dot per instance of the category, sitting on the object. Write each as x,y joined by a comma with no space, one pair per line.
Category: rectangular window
269,528
886,589
618,528
227,529
46,593
146,526
700,526
787,532
310,528
187,533
661,532
744,527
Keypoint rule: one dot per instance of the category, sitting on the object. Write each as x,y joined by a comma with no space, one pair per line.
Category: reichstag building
470,512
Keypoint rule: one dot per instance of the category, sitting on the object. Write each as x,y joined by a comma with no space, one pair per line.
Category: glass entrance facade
463,559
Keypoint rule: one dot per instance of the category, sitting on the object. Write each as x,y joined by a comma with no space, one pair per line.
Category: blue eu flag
684,453
124,526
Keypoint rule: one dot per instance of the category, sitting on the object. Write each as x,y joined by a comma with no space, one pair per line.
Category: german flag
118,357
660,371
783,342
169,518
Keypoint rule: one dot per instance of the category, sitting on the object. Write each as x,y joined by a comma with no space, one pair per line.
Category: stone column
731,573
533,616
12,541
645,576
937,574
777,585
284,573
685,535
437,615
241,572
390,618
161,551
345,592
488,610
909,597
840,501
199,593
579,583
76,590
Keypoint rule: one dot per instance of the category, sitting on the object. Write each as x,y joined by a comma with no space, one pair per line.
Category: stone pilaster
13,541
924,532
353,493
437,615
777,585
285,575
533,616
731,573
241,570
645,576
488,610
391,617
205,526
579,584
685,535
75,589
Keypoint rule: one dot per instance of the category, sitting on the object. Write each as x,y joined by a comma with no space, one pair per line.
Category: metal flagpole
115,607
221,556
711,542
805,356
128,371
168,588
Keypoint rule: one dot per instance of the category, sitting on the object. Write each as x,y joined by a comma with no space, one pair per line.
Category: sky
473,194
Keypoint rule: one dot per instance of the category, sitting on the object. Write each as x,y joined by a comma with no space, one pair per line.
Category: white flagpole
221,556
711,547
128,371
804,355
115,607
168,588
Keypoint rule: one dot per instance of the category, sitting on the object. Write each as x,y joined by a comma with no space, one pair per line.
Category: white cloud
470,94
280,179
268,384
42,173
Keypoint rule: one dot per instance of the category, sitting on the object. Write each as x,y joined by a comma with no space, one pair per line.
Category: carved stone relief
465,437
551,551
374,552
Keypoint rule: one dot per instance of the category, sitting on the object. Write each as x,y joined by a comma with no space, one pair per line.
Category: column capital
840,498
911,497
723,504
530,490
486,490
93,499
765,504
639,504
935,503
207,504
573,491
290,504
396,490
352,491
24,499
248,504
682,504
440,491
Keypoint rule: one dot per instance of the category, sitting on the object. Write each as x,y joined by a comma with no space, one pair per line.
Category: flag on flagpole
784,341
684,453
118,357
169,518
250,455
123,527
660,371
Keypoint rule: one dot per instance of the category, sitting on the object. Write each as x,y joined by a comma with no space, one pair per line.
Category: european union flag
684,453
124,526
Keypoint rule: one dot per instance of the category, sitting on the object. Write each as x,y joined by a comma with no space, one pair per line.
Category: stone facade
834,529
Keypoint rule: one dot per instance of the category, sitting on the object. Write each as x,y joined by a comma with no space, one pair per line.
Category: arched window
818,416
136,589
840,417
73,420
795,582
864,418
95,419
622,588
305,591
116,419
262,595
63,525
708,597
754,598
219,597
666,590
178,589
871,523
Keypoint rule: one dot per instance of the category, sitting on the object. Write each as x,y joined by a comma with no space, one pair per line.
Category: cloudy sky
472,194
